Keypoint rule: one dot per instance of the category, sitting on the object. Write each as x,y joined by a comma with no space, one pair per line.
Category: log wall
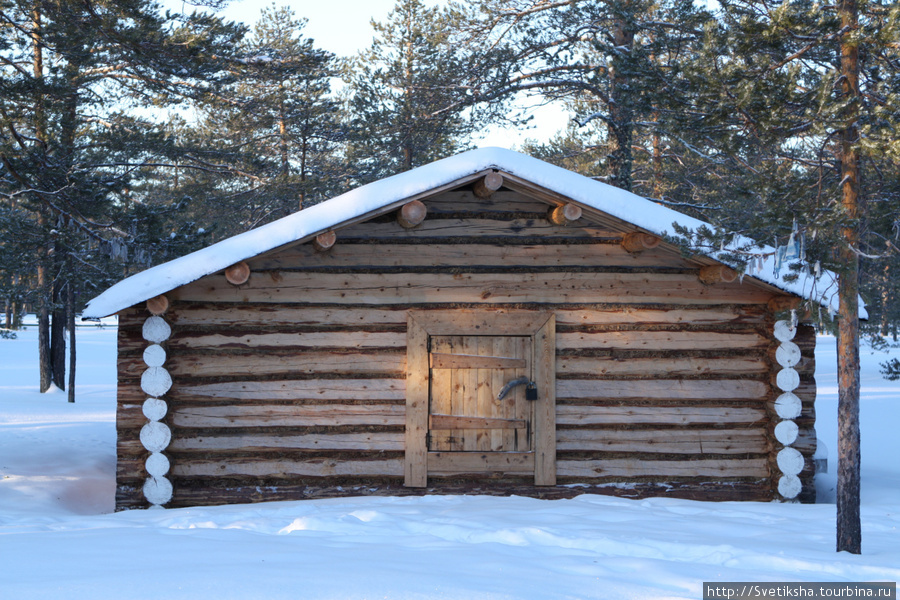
292,385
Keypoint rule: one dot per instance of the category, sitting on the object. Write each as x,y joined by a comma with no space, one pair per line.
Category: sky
343,27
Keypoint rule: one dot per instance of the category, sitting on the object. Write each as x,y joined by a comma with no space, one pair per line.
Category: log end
487,185
412,214
782,303
713,274
638,241
564,214
238,274
324,241
158,305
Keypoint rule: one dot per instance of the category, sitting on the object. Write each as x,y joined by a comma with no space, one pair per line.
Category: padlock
531,391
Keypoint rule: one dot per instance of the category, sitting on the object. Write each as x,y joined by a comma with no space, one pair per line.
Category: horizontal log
449,463
262,415
806,339
319,467
320,389
129,415
375,442
669,441
242,315
460,422
636,315
806,442
262,364
663,340
404,288
386,255
129,496
638,467
661,367
473,361
650,415
465,201
662,389
299,339
475,228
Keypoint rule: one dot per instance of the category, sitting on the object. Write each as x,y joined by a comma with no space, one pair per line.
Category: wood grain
268,415
668,441
391,288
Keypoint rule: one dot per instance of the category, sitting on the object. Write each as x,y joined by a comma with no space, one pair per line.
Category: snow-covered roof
361,201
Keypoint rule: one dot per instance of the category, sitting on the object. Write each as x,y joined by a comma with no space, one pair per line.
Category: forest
130,135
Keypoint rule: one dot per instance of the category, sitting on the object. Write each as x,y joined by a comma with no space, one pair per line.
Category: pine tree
809,92
273,131
71,143
409,101
615,62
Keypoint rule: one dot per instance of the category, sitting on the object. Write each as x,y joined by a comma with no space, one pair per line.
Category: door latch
530,390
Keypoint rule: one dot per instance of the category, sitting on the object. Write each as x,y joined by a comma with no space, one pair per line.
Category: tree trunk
44,345
40,128
619,158
849,533
70,314
58,339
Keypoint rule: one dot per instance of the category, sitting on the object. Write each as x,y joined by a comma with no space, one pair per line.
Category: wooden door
458,361
467,374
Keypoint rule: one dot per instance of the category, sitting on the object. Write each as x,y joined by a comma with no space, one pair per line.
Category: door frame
539,325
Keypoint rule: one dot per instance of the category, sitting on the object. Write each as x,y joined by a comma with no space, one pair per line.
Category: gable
366,213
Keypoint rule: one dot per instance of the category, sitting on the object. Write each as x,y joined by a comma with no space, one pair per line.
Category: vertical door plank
415,462
545,407
440,396
469,394
523,408
484,377
501,439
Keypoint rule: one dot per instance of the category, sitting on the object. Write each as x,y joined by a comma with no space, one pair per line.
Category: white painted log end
790,461
788,406
783,331
157,464
786,432
156,381
789,486
154,356
787,354
158,490
155,436
156,330
155,409
787,380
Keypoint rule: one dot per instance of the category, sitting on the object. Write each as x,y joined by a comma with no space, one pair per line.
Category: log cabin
485,324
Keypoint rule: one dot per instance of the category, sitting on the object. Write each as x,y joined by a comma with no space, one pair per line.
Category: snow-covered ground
60,539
